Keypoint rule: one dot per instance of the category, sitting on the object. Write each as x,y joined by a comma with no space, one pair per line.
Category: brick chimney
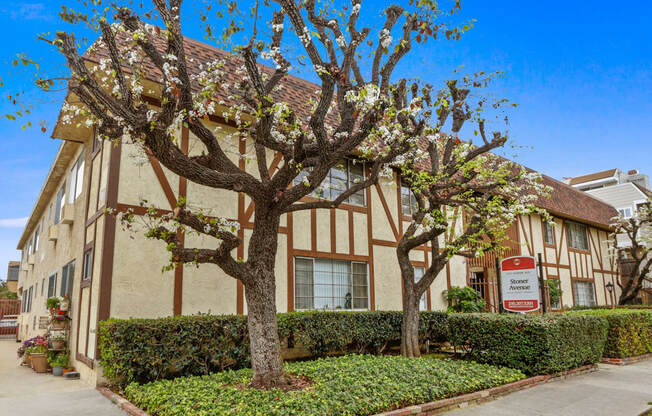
633,172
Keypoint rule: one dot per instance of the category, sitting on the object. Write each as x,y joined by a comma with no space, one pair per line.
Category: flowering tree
465,198
637,233
354,111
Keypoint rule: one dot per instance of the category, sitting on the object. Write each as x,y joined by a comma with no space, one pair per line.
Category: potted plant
58,342
53,304
58,362
39,357
65,304
58,322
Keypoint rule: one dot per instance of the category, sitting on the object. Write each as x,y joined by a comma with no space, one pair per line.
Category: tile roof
593,176
564,201
643,189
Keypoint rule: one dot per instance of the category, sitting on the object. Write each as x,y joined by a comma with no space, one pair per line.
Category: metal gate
9,311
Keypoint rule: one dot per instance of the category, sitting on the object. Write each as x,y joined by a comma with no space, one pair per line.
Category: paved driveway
23,392
614,390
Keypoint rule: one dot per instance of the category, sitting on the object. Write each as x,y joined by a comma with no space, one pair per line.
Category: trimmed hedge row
144,350
603,307
630,331
533,344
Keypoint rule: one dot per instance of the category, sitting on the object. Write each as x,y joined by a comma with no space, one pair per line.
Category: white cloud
13,222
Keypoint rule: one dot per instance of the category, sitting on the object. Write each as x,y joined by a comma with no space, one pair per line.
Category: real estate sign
520,284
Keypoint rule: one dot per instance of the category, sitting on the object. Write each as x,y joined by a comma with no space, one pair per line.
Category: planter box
58,344
53,233
39,363
56,324
68,214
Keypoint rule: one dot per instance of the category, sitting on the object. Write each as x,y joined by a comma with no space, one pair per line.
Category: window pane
303,284
583,293
330,284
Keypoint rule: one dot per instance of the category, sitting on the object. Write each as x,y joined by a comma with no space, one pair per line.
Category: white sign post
520,284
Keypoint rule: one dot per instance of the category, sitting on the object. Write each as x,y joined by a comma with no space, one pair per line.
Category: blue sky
580,71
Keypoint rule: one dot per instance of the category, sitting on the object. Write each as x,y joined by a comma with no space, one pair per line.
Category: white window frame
61,200
625,212
52,291
87,266
413,204
36,239
313,295
76,178
423,302
317,192
570,239
575,292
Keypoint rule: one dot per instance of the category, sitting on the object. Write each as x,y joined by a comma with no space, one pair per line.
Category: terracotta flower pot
67,370
58,344
56,324
39,363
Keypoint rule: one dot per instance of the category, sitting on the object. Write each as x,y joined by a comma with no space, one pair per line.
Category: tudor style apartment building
335,259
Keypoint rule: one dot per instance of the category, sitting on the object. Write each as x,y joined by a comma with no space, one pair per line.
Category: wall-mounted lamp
610,287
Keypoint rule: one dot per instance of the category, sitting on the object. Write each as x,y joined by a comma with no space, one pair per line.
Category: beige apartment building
71,246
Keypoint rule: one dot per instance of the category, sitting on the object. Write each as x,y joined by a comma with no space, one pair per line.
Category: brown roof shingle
564,201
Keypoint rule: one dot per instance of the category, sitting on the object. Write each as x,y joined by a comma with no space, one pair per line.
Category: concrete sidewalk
23,392
611,391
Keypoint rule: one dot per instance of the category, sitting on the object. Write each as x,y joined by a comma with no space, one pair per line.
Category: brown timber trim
108,238
370,252
351,239
177,302
333,232
160,175
388,213
239,300
272,167
95,216
313,230
290,261
84,359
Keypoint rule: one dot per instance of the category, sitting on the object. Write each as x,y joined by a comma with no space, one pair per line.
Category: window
52,285
340,178
61,199
583,293
29,299
330,284
549,233
88,265
625,212
29,246
36,235
76,179
418,274
408,201
67,276
42,286
23,303
577,237
50,212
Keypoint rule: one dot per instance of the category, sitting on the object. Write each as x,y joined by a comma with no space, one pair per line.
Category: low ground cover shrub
630,331
144,350
534,344
348,385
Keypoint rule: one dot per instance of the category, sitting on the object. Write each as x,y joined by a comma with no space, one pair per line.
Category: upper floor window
36,239
87,271
61,199
625,212
29,299
52,285
340,178
67,276
577,235
76,179
549,233
409,204
330,284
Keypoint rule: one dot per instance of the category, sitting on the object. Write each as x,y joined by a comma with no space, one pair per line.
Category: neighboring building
624,191
70,246
12,276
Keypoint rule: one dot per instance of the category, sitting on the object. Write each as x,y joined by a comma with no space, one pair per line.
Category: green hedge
349,385
630,331
533,344
144,350
602,307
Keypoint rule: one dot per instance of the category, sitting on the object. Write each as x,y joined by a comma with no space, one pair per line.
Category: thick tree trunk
410,326
260,293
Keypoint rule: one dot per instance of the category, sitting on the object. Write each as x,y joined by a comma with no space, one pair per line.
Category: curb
487,395
626,360
425,409
121,402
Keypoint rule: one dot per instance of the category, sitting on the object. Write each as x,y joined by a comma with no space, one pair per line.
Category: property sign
520,284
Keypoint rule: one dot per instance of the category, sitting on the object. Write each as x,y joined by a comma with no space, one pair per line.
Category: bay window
330,284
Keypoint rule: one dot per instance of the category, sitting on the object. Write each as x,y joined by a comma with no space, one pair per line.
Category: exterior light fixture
610,287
